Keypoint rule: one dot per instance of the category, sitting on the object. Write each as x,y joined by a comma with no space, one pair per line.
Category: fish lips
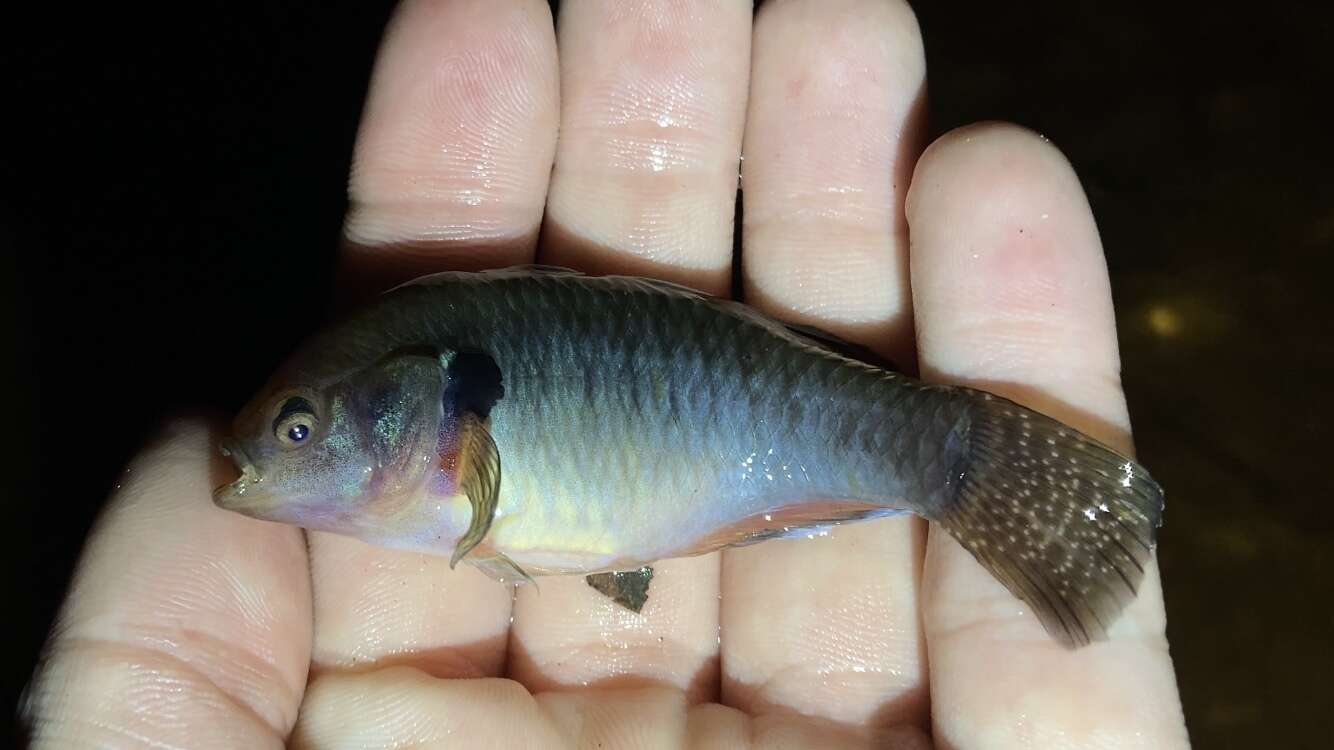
240,494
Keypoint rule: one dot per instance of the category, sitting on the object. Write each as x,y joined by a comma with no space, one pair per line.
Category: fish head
344,453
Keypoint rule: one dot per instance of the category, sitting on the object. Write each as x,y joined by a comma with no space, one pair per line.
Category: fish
536,421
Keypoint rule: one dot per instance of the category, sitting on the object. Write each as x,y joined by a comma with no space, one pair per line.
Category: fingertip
835,120
1008,275
653,99
987,161
458,135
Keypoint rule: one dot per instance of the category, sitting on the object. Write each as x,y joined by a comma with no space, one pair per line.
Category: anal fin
787,522
501,568
627,588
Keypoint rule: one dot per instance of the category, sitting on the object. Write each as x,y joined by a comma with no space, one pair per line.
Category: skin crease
187,626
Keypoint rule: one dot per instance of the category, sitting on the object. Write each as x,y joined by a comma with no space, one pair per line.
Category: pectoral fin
627,588
479,478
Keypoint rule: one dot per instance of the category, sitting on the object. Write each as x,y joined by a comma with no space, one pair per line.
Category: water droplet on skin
657,158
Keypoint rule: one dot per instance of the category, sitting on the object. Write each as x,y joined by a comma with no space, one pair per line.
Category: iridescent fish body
536,421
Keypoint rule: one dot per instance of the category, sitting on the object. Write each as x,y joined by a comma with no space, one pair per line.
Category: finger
713,726
835,125
450,172
456,142
185,625
1011,294
653,95
401,707
828,626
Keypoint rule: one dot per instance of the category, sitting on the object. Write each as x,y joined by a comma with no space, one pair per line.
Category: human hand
190,626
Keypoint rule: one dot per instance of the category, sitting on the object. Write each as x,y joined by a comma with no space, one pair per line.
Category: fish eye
295,422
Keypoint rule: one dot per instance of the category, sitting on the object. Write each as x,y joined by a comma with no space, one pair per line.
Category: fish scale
638,465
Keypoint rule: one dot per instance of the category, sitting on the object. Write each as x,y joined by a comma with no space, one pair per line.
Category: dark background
174,186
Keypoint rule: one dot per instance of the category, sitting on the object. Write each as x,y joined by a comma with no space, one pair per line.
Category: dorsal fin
842,346
808,333
538,268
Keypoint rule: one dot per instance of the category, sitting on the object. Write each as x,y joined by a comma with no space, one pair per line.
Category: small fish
536,421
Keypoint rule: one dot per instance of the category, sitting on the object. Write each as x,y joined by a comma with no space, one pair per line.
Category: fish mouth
240,493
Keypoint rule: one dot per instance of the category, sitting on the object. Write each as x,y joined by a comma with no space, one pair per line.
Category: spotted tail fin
1067,524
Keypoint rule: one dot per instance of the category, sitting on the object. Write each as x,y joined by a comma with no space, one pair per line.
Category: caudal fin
1066,523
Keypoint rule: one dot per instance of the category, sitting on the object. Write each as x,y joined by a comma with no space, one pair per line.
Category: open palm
188,626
